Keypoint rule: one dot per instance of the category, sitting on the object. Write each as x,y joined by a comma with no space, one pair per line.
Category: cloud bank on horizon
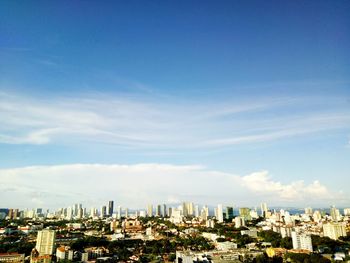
137,185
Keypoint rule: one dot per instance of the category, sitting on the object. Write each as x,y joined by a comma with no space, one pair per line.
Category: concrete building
264,209
150,210
45,242
239,222
334,230
11,258
110,208
301,241
229,212
220,214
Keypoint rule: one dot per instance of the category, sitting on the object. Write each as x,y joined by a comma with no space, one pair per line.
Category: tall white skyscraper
45,242
196,211
150,210
220,215
264,209
335,214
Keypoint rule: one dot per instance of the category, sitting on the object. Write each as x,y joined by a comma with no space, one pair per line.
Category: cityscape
183,233
172,131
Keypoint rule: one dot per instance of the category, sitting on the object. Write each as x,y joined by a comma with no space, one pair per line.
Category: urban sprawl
179,233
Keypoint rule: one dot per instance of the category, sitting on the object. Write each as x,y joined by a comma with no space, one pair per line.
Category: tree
287,243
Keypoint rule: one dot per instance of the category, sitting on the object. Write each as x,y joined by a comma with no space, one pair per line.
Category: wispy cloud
139,184
151,123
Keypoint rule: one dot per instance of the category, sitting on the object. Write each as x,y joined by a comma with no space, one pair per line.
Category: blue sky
257,91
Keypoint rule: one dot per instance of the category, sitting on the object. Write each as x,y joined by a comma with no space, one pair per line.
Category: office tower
229,213
164,213
103,211
110,208
196,211
170,210
15,213
45,242
184,209
38,211
75,209
158,208
119,212
220,215
205,213
150,210
264,209
335,214
301,241
10,213
245,213
190,209
334,230
69,213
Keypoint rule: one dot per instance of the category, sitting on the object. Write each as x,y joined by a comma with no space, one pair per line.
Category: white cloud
261,183
158,124
139,184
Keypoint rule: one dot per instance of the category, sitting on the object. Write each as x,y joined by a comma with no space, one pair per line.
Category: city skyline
136,102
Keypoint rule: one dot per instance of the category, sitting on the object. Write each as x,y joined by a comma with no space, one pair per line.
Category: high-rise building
187,209
103,211
334,230
92,212
164,213
45,242
119,212
239,222
347,211
335,214
229,213
245,213
196,210
204,213
158,208
301,241
150,210
317,216
110,208
220,215
264,209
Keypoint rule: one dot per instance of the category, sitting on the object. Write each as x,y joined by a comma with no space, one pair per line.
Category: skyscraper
158,208
335,214
164,212
110,208
45,242
229,212
264,209
220,215
103,211
150,210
